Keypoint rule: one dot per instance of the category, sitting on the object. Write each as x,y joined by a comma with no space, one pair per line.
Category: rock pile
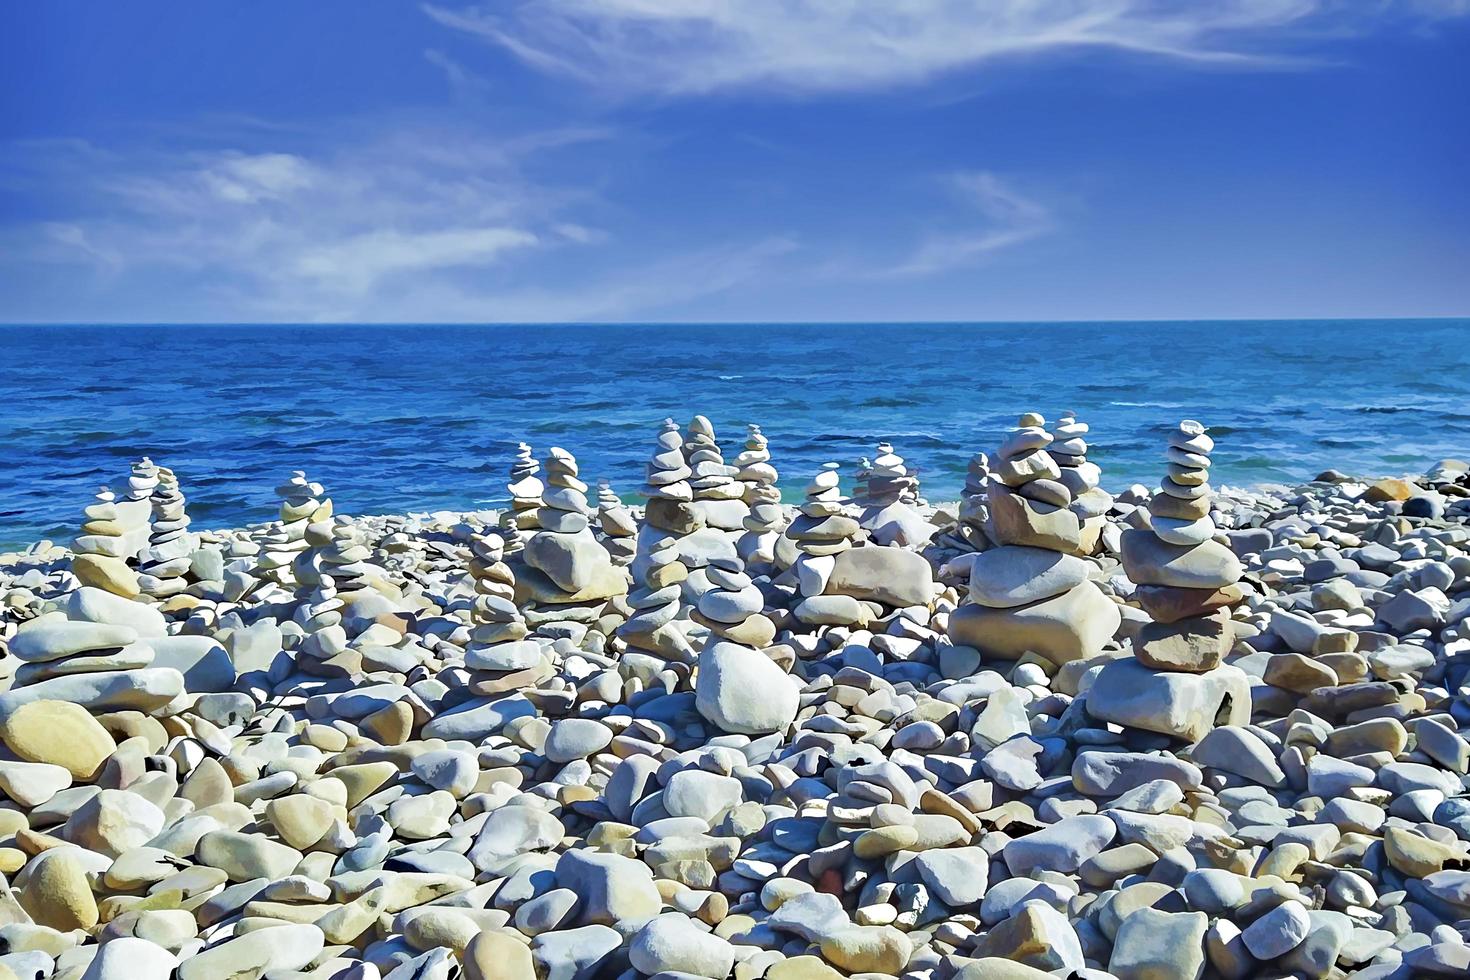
820,532
434,780
1178,683
100,552
135,507
718,496
1032,594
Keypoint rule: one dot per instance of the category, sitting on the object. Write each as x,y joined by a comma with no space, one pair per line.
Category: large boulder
743,691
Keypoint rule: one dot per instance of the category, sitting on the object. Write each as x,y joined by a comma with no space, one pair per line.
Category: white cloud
686,47
359,262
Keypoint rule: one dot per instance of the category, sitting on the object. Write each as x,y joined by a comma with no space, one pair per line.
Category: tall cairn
165,564
99,553
822,531
525,487
767,518
974,516
1089,501
135,508
1177,683
666,485
654,628
889,495
1032,593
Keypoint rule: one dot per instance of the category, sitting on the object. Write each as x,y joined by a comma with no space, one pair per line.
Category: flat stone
1013,575
1157,945
1194,645
1072,626
1183,705
1149,561
59,733
892,576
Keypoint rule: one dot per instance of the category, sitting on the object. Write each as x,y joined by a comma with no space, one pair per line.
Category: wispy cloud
997,217
413,224
684,47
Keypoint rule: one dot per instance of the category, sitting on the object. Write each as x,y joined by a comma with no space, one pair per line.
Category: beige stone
59,733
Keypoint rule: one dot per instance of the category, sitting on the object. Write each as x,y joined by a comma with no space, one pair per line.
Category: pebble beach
749,719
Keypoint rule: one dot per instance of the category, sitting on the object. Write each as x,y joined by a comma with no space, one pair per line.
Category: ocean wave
731,377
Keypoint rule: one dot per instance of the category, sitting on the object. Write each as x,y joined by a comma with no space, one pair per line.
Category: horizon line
732,323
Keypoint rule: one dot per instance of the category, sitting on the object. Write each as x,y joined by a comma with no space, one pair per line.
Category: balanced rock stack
654,626
821,531
163,568
492,576
347,558
1177,682
666,485
525,487
564,560
99,653
891,491
718,497
324,649
618,526
974,516
302,504
767,518
737,687
136,506
510,533
499,655
1032,593
99,553
1089,501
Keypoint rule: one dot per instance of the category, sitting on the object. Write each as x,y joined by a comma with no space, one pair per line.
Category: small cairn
564,561
487,567
348,559
499,654
891,493
324,649
302,504
1177,683
821,531
525,487
1032,593
165,563
655,603
100,551
1089,501
767,518
974,516
738,688
617,526
718,496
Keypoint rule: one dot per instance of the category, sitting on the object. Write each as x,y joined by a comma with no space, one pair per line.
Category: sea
413,418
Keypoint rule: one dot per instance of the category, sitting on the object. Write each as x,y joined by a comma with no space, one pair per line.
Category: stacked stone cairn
1032,593
135,508
525,487
737,687
324,649
99,553
617,526
1089,501
302,504
970,532
564,562
487,566
499,655
767,518
821,531
98,652
890,493
165,564
347,558
718,496
1177,683
654,626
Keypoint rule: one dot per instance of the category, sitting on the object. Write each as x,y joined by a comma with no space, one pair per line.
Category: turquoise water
402,418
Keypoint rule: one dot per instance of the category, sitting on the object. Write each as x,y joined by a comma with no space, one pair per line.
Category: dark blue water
393,419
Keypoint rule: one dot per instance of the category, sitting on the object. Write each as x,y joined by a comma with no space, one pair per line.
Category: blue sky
708,160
